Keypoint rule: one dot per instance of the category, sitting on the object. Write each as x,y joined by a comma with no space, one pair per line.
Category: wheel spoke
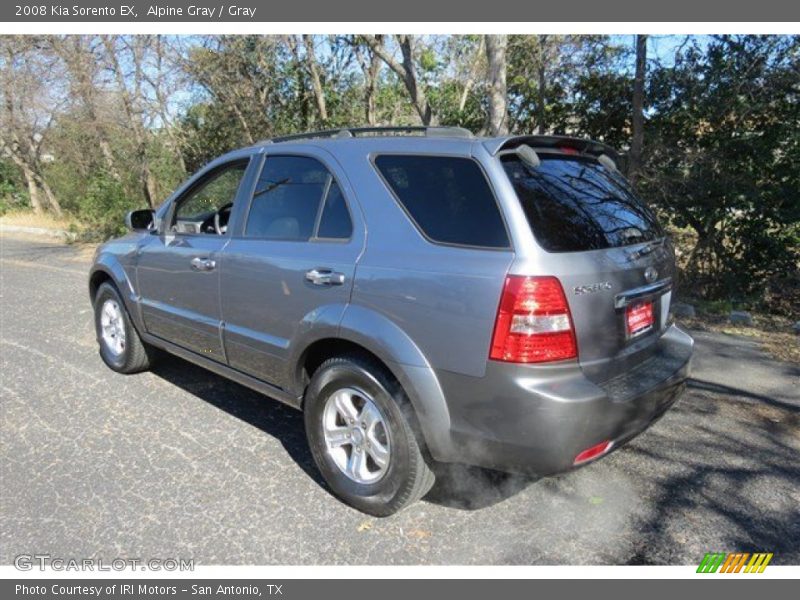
345,406
370,416
357,465
337,436
376,449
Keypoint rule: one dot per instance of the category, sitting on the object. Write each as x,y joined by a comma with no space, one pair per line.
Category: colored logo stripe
759,561
734,562
711,562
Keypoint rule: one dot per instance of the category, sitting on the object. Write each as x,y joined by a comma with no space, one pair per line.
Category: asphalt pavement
181,463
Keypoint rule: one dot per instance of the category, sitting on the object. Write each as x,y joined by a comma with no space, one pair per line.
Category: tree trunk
33,190
496,46
473,74
248,135
418,96
370,108
52,201
34,181
372,70
300,85
316,82
637,121
105,149
541,105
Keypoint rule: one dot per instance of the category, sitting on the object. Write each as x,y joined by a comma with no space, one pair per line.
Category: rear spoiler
541,142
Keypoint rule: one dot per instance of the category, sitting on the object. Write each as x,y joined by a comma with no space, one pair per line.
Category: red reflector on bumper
593,452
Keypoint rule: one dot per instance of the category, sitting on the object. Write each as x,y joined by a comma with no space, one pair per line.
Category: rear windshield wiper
271,186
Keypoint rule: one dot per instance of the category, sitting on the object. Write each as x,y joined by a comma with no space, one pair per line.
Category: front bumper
536,419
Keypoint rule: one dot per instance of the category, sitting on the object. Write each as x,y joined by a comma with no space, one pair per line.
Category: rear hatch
607,249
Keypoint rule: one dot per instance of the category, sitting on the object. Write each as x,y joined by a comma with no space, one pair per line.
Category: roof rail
349,132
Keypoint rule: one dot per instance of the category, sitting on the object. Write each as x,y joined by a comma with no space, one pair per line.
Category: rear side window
448,198
576,204
335,221
289,195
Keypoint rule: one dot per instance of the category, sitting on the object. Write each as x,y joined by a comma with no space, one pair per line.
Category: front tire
358,427
121,348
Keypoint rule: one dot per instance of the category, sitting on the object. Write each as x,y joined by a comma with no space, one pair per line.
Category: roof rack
350,132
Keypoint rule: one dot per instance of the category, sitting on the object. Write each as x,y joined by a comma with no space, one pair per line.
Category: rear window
575,203
448,198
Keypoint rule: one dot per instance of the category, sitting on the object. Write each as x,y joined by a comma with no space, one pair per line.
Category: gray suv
420,294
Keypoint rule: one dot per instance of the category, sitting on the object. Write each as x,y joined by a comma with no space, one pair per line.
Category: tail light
533,322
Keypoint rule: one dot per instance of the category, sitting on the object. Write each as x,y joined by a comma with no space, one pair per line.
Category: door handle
203,264
322,276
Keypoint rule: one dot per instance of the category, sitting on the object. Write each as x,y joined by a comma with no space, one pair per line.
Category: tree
542,70
637,121
95,125
722,160
165,81
79,54
28,77
316,81
370,64
496,56
132,102
406,70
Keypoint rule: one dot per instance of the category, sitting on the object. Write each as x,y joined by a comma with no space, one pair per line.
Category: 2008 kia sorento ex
421,294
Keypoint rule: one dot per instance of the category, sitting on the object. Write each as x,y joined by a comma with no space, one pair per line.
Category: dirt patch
774,333
31,219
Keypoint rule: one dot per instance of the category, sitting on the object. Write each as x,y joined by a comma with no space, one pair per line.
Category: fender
321,323
110,265
408,364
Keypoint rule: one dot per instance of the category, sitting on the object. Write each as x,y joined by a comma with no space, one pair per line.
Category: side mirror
140,220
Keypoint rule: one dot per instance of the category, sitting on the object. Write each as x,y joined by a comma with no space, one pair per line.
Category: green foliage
168,172
13,195
103,207
723,157
445,99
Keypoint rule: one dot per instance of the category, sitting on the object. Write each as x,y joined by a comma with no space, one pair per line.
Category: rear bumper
537,419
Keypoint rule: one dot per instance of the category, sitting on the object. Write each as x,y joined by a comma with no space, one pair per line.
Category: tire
374,489
132,355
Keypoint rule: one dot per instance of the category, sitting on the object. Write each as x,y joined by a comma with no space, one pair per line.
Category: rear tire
121,348
371,461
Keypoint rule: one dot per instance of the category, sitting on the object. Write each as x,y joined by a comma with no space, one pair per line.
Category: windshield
574,204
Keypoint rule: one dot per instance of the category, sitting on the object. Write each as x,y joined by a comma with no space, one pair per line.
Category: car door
291,263
178,268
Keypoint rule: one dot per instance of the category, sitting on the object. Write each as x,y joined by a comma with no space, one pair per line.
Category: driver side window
207,207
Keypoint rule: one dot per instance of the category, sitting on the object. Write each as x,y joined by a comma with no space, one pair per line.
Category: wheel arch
107,268
375,336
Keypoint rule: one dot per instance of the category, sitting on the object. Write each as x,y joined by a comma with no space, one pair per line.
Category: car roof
413,137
